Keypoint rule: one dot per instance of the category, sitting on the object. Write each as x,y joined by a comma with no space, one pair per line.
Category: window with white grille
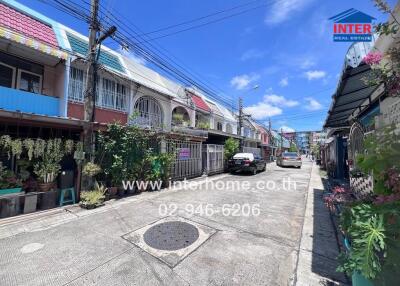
76,84
148,113
109,93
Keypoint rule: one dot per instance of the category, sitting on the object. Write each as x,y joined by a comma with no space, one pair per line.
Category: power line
181,64
207,23
198,19
156,59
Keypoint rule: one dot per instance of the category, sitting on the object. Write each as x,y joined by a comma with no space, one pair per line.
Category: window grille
109,94
147,113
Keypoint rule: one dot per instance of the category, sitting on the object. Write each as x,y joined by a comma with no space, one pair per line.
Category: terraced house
43,74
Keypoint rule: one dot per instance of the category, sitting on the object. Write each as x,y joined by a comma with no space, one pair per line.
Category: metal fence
188,159
213,158
255,151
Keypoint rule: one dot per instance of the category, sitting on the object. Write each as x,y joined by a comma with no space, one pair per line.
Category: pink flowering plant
372,223
340,196
386,68
373,58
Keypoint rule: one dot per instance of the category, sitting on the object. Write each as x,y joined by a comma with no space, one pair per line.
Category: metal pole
240,123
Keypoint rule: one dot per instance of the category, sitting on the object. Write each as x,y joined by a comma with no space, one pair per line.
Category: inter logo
352,26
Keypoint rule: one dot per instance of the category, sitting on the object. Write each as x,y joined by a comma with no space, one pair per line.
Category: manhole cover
172,235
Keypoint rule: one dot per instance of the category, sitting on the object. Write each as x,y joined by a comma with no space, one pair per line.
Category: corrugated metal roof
227,114
153,80
81,47
214,108
26,25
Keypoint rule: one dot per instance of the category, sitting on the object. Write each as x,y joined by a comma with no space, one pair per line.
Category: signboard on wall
184,153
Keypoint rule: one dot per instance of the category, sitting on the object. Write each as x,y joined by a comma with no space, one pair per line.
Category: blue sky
285,48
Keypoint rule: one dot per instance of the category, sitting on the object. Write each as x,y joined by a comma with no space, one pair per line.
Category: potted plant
94,198
47,172
177,119
9,183
371,223
203,125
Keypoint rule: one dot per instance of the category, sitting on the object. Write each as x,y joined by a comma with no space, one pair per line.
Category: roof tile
200,103
26,25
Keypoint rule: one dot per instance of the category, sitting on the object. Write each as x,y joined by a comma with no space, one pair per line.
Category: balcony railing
147,120
18,100
189,131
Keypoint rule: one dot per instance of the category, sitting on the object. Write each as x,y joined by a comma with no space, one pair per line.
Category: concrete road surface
252,236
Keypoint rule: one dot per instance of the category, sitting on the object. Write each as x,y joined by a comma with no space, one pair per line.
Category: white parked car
287,159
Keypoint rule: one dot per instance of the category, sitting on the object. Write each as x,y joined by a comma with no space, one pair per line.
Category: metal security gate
213,159
187,162
255,151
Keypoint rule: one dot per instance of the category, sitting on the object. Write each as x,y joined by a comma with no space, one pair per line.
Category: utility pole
240,123
91,78
90,86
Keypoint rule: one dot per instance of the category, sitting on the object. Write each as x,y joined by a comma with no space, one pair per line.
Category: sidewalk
318,251
42,220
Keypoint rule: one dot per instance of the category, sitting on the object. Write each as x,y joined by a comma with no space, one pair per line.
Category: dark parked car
246,162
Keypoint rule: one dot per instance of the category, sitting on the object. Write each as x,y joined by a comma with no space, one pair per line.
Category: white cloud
132,56
252,54
282,9
279,100
262,110
315,74
313,104
271,105
242,81
284,82
286,129
306,63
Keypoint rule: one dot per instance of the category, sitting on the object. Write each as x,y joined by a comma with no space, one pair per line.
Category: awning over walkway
353,90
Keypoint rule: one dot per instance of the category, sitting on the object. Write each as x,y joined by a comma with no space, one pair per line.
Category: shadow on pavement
325,244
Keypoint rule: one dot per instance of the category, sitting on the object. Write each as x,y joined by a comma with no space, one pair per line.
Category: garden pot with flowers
47,173
371,222
9,183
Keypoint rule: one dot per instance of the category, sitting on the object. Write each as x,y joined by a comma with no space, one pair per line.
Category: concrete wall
75,110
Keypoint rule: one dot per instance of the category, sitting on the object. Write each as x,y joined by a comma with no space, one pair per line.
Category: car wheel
254,172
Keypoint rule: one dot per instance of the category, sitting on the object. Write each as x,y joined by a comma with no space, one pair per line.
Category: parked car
287,159
247,162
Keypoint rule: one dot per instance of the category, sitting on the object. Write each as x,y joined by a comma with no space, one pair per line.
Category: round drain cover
172,235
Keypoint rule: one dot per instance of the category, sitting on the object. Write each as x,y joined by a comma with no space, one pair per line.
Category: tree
293,148
231,147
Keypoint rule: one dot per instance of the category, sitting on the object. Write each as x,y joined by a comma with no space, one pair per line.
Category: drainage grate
172,235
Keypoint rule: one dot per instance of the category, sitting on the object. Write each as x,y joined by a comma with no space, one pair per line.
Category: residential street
82,247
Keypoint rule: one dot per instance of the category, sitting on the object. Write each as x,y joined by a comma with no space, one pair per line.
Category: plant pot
48,200
121,192
112,191
10,191
45,187
30,204
131,191
141,187
358,279
9,206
